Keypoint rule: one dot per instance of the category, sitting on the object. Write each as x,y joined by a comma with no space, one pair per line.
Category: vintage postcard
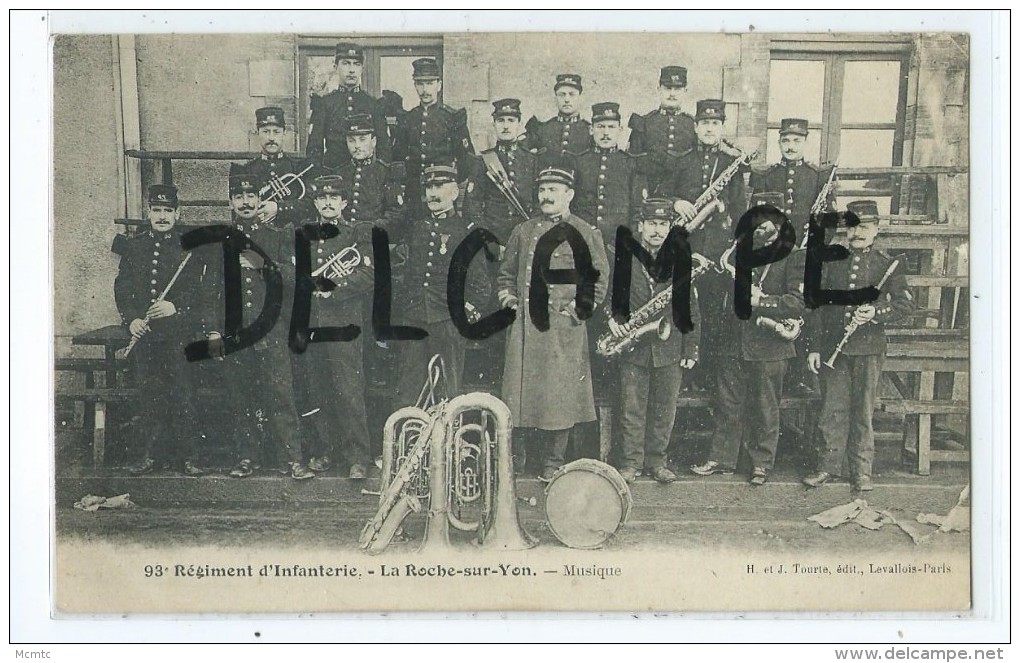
511,321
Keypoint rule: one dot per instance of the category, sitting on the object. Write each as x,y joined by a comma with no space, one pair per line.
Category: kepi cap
439,173
657,208
793,125
866,210
426,69
163,194
506,107
360,123
572,80
346,49
673,76
327,184
269,116
711,109
606,110
559,173
242,181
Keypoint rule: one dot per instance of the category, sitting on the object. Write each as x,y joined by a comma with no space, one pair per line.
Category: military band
539,190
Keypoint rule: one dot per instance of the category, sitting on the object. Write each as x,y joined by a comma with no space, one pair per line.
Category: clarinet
853,325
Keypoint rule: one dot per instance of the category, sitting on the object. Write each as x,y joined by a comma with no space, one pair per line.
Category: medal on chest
443,241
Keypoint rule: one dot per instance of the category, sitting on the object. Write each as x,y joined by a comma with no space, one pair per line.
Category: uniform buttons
155,253
855,268
565,143
670,146
357,176
248,304
247,279
512,174
155,271
422,132
423,157
602,167
247,292
789,191
670,136
356,193
155,262
426,284
152,300
430,252
602,176
428,264
157,244
153,291
153,282
790,173
319,250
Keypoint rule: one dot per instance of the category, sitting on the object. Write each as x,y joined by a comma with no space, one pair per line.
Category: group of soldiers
558,189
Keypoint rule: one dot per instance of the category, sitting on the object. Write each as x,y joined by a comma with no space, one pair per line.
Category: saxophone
708,202
648,318
823,197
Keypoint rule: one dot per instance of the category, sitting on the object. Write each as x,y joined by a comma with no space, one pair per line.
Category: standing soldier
430,132
801,181
749,383
326,140
281,195
667,130
650,374
547,376
431,241
850,383
610,182
329,375
690,175
373,189
157,300
504,193
262,389
566,132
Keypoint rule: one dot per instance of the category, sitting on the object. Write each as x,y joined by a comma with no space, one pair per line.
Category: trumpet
279,186
788,329
341,264
853,325
646,319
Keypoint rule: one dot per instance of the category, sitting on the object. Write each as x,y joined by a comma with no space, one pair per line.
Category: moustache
246,208
546,201
433,200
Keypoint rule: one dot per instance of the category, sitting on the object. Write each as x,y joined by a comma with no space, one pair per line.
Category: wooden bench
96,400
926,358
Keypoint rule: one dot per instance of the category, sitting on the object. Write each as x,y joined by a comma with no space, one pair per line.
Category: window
855,105
387,67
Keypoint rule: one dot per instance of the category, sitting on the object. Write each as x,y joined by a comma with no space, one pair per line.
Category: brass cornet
341,264
279,187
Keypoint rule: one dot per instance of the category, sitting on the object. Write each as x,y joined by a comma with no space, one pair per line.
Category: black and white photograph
460,321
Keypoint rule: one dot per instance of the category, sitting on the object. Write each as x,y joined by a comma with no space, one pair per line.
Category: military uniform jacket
327,140
611,185
661,132
745,339
430,244
373,191
425,135
826,325
800,182
558,135
487,204
148,262
547,376
344,306
690,174
290,208
651,351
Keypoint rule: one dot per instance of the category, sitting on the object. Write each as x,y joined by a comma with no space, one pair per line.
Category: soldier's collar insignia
569,119
364,162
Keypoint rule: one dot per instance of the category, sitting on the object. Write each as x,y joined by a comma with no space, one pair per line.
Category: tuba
651,317
279,186
453,459
341,264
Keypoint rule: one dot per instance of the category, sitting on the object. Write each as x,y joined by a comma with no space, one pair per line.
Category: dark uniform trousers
422,303
557,136
850,390
750,370
327,142
329,376
167,380
259,389
660,134
650,377
689,175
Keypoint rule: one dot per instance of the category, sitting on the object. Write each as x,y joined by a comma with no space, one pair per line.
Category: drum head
584,506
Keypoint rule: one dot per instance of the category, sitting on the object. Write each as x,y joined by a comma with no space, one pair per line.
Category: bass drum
586,503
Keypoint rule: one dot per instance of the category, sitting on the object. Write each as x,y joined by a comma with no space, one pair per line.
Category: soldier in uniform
547,376
566,132
850,386
326,141
512,165
749,383
271,165
372,189
161,326
430,132
666,130
610,182
328,376
690,174
650,374
431,241
801,182
262,389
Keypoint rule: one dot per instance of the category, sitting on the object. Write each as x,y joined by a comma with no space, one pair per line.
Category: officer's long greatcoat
547,377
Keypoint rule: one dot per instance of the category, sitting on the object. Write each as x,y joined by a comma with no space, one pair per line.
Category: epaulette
451,110
636,120
119,245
